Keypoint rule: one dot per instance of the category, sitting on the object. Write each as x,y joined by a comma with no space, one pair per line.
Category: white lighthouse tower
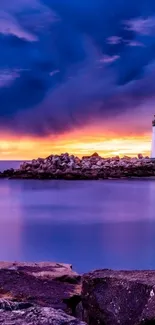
153,139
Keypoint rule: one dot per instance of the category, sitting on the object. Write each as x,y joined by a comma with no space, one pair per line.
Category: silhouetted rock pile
69,167
51,293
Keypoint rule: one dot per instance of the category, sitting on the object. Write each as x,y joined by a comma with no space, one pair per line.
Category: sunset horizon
76,143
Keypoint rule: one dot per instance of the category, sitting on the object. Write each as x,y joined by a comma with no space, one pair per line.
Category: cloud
25,19
52,73
76,61
135,43
144,26
10,26
113,40
109,59
88,96
18,6
8,76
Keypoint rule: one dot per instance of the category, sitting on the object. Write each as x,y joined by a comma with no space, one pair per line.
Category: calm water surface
91,224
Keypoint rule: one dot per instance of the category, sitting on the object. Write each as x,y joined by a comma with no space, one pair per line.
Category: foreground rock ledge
119,297
70,167
44,284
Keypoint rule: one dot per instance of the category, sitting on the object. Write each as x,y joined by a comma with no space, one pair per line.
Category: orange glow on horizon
83,142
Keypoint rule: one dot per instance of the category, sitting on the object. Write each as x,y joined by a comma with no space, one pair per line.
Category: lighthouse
153,139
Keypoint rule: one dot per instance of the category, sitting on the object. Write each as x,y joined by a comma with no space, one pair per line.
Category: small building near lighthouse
153,139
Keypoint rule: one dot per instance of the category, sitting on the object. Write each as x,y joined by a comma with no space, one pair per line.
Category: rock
77,166
116,158
95,155
86,165
95,167
119,297
134,160
126,158
45,284
13,305
85,157
140,156
79,312
37,316
107,164
99,163
113,163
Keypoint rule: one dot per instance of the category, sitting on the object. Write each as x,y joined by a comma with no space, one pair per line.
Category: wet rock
45,284
119,297
37,316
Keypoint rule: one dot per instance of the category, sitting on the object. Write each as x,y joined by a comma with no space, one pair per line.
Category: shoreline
52,293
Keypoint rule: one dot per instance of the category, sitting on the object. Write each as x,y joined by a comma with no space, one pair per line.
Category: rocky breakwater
69,167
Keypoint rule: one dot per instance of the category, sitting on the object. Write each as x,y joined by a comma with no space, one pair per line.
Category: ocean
90,224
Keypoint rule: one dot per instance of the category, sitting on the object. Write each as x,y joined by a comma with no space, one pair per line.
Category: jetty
92,167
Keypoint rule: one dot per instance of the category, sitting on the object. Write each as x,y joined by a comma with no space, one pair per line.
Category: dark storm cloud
63,63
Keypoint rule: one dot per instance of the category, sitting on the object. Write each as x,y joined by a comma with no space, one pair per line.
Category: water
6,164
91,224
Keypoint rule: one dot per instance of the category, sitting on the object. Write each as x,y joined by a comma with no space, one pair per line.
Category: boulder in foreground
119,297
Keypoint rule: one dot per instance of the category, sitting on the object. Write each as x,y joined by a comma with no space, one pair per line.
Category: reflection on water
108,224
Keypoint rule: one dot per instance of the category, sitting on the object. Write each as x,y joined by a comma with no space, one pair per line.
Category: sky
76,76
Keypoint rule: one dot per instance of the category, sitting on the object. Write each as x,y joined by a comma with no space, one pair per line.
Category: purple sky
65,63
